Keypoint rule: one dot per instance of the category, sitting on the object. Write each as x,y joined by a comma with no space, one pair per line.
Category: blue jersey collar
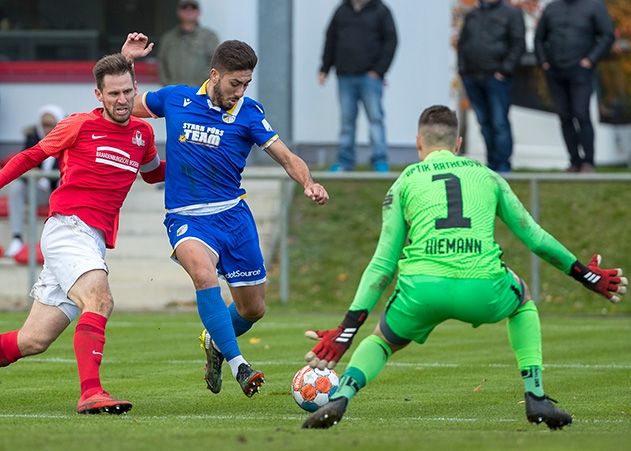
203,91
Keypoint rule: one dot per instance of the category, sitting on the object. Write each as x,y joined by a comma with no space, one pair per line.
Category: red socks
9,351
89,340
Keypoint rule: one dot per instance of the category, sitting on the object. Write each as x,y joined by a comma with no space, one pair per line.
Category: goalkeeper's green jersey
439,220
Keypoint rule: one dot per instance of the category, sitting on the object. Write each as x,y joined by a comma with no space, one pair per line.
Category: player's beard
120,118
220,99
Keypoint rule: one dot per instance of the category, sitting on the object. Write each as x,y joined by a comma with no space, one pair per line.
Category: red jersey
98,163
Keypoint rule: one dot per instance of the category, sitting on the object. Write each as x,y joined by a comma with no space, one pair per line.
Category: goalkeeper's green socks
524,333
367,361
532,380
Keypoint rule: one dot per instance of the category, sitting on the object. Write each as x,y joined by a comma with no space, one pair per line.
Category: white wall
420,74
538,142
233,20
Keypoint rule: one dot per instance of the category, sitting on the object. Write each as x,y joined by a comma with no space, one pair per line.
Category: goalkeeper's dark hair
115,64
232,56
439,126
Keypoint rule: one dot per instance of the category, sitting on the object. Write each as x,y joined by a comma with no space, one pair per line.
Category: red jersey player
100,154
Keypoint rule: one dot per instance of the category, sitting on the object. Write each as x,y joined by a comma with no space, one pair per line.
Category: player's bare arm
297,169
139,109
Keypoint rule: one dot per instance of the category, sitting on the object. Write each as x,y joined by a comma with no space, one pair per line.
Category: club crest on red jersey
137,139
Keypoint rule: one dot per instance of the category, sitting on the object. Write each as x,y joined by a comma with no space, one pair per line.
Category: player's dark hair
439,126
115,64
233,55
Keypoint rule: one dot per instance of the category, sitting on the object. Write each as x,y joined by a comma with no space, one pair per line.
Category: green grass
458,391
330,246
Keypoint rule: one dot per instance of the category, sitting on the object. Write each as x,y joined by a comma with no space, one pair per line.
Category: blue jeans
491,99
352,89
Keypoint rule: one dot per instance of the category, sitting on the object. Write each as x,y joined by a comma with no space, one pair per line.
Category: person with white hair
47,118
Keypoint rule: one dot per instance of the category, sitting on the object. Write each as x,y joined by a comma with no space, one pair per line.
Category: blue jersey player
210,131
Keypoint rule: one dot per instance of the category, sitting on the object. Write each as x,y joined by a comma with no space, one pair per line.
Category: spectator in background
47,118
490,45
571,37
360,42
186,50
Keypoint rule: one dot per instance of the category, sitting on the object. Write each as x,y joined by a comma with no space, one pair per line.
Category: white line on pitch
578,366
139,418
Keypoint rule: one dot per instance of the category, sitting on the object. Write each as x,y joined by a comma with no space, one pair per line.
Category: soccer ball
312,387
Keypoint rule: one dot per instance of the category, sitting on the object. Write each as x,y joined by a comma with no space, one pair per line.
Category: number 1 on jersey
454,217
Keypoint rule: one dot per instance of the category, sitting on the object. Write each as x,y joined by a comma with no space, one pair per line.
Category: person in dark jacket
490,45
571,37
360,42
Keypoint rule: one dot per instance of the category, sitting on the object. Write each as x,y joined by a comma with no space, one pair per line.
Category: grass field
330,246
459,391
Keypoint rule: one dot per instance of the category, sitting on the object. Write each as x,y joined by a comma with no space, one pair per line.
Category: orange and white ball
312,387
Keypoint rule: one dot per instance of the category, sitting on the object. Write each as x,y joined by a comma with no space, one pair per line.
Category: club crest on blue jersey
228,118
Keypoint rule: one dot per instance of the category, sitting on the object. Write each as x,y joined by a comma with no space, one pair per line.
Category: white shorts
71,248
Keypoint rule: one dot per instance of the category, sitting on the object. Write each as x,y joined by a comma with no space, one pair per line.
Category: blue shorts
231,235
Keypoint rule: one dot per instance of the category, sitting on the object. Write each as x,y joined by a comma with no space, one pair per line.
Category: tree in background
615,70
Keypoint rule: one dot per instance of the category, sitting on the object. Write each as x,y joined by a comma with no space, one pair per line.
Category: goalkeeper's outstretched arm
377,276
608,282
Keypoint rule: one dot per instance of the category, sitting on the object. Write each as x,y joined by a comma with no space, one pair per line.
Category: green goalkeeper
438,228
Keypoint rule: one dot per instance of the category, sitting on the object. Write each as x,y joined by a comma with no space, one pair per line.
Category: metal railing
286,190
32,236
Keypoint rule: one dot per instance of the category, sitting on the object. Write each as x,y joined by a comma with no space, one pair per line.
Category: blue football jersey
206,146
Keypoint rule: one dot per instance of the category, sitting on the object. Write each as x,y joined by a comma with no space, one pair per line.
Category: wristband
583,274
351,324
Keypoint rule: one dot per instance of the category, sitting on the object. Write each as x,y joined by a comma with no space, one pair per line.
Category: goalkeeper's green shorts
420,303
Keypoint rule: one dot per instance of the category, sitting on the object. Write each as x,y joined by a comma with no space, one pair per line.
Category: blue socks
240,324
217,321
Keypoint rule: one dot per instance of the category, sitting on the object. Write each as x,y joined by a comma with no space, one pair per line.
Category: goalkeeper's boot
102,402
250,379
328,415
540,409
214,360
